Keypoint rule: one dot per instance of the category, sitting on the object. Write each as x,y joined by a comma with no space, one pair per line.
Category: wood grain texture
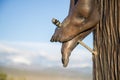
106,64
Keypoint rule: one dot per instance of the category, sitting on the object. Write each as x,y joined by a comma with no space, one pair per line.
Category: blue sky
26,29
30,20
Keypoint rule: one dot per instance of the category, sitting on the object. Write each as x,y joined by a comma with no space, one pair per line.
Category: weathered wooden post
106,64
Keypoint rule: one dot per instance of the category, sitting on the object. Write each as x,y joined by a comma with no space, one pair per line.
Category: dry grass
15,74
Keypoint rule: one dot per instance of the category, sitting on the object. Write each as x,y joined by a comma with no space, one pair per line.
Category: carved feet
64,34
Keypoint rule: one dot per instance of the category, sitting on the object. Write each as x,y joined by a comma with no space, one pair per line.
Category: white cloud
20,60
27,52
8,49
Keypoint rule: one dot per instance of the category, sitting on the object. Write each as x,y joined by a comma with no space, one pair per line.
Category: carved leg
67,47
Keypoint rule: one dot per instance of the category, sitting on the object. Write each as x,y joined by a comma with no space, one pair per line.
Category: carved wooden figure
80,16
68,46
